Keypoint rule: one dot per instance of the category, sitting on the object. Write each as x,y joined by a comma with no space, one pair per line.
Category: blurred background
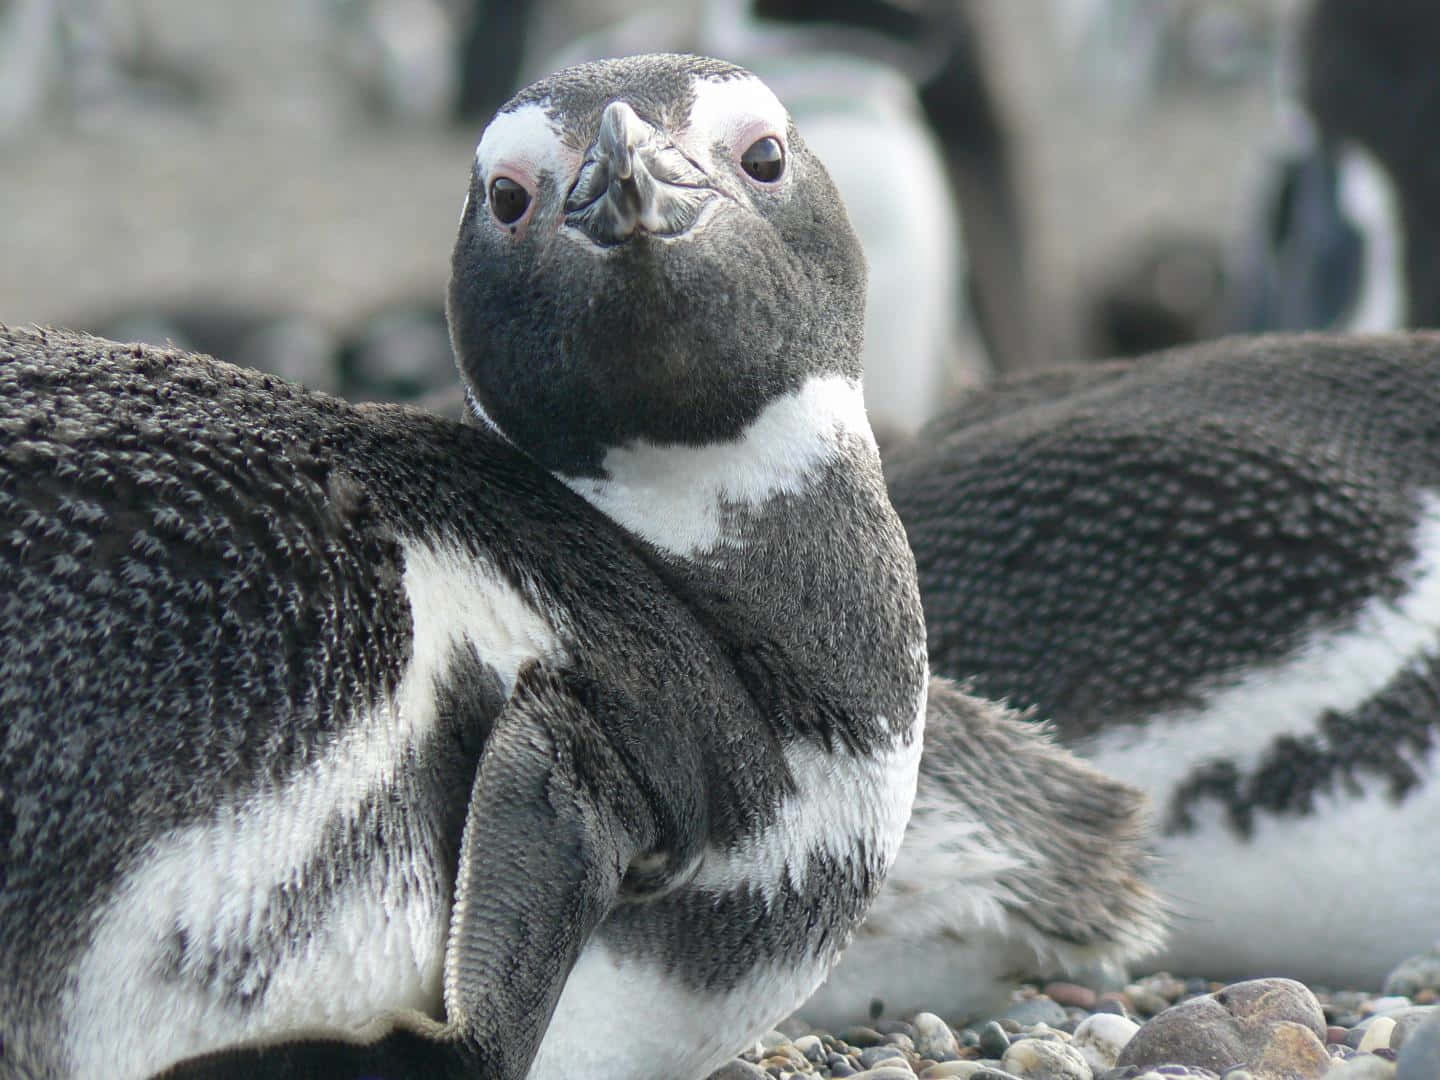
1038,182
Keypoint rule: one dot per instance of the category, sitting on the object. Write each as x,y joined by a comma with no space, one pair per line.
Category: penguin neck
784,543
687,502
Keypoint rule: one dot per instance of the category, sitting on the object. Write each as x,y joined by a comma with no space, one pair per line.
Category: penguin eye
765,160
508,200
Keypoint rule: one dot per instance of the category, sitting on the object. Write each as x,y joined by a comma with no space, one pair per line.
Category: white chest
625,1017
245,926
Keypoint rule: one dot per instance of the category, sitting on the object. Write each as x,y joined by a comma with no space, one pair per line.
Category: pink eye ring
508,200
764,161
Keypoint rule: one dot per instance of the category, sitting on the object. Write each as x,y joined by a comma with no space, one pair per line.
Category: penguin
348,740
1341,238
872,81
1216,570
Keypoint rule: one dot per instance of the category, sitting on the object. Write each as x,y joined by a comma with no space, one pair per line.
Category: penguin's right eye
508,200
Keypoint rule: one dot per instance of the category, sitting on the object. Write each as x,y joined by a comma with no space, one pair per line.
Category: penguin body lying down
1217,570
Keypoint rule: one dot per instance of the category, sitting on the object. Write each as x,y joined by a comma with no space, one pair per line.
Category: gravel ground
1156,1027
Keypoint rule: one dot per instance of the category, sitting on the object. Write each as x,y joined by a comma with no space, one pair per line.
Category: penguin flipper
554,819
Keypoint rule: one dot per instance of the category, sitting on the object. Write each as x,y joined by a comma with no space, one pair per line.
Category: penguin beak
634,180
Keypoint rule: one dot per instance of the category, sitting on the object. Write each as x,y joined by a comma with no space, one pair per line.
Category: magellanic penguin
347,740
1218,571
1345,237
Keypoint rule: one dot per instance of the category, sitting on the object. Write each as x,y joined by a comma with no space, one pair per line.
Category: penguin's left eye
765,160
508,200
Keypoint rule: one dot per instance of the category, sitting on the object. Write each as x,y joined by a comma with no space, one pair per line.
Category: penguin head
648,251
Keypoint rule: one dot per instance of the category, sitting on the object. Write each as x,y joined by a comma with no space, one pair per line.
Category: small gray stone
1146,1002
874,1055
1036,1010
933,1037
1274,1025
1038,1059
739,1070
1364,1067
894,1027
1101,1037
1419,1057
812,1048
993,1040
1377,1035
1408,1019
862,1036
1416,973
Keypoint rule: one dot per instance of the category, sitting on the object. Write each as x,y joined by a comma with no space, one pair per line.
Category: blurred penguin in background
1345,240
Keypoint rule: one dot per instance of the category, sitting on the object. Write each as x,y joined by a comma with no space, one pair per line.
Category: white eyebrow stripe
724,109
525,140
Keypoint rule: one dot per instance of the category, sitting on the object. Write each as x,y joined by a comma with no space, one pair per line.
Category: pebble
1406,1020
1363,1067
1101,1037
812,1048
1038,1059
1035,1010
934,1039
1265,1029
1419,1057
1273,1024
874,1055
862,1036
1146,1002
739,1069
993,1040
1064,993
1377,1035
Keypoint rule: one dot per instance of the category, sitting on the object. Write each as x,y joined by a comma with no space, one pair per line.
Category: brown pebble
1426,997
1119,997
1073,994
1335,1036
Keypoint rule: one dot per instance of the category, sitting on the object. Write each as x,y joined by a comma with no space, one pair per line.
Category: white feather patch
621,1018
378,949
527,142
1370,202
729,112
676,496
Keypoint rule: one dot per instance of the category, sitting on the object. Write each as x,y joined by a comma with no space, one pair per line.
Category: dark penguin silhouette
1217,570
1346,238
346,740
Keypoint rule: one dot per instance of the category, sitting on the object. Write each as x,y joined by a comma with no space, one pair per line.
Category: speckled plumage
349,740
1212,570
